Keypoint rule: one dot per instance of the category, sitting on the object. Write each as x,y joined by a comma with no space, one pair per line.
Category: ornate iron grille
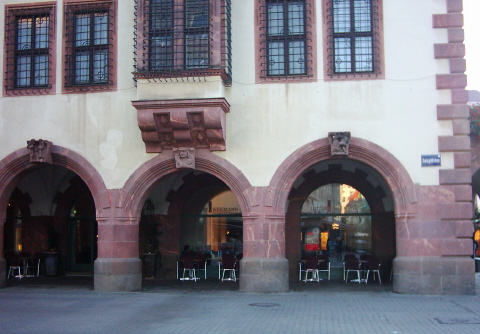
89,45
353,46
186,38
286,39
28,44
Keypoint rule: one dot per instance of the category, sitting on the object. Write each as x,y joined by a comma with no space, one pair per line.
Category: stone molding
135,191
196,123
395,175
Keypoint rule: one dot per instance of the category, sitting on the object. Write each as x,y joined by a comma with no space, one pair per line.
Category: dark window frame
333,57
28,52
264,36
89,77
167,46
284,38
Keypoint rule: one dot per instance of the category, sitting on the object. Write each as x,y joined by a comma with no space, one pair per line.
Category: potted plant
150,233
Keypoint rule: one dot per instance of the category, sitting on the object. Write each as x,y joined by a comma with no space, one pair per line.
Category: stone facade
271,142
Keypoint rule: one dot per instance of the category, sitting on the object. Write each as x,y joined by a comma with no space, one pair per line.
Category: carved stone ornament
196,123
339,142
40,151
184,157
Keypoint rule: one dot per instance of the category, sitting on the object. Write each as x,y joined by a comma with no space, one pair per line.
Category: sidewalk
216,307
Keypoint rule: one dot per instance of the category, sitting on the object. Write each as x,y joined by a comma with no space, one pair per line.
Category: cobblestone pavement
71,306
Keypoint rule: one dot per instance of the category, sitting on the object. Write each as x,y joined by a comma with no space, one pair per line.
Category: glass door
83,244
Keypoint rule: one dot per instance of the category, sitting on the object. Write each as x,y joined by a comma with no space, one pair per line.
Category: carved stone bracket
40,151
192,123
184,157
339,142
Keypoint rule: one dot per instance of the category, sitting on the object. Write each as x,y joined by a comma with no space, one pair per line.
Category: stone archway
384,163
17,164
113,274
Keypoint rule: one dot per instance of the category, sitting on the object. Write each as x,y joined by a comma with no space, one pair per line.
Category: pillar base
112,275
263,275
429,275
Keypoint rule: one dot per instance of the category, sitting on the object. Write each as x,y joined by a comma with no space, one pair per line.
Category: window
183,38
28,46
353,38
90,60
286,46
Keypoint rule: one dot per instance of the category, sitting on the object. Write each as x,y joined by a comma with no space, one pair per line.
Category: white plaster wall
267,122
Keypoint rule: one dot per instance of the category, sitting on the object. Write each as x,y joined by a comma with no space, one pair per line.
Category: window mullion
352,37
91,49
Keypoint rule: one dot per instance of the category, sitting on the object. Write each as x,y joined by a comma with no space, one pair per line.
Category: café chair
189,269
35,263
201,263
311,266
301,269
228,265
345,258
354,266
373,265
14,263
324,264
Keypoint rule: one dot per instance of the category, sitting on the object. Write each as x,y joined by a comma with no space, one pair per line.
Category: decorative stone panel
188,123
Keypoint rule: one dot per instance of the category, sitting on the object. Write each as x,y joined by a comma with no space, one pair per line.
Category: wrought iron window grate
286,38
29,34
353,37
183,38
89,45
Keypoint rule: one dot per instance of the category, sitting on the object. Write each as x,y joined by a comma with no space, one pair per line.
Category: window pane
23,71
343,55
276,56
362,16
82,30
100,28
296,57
296,21
41,70
196,13
196,50
363,54
341,16
100,66
24,34
161,52
161,14
82,68
275,19
41,32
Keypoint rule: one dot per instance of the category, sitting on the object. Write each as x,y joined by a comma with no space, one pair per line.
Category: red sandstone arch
14,166
394,174
144,179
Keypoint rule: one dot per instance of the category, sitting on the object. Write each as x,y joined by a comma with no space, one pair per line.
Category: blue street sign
429,160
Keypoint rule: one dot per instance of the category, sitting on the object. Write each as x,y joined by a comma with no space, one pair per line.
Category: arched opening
349,205
45,216
191,209
336,219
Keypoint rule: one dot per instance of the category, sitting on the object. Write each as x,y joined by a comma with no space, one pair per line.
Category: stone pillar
434,245
118,266
264,267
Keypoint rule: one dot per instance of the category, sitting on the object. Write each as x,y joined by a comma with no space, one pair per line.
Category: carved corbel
339,142
40,151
